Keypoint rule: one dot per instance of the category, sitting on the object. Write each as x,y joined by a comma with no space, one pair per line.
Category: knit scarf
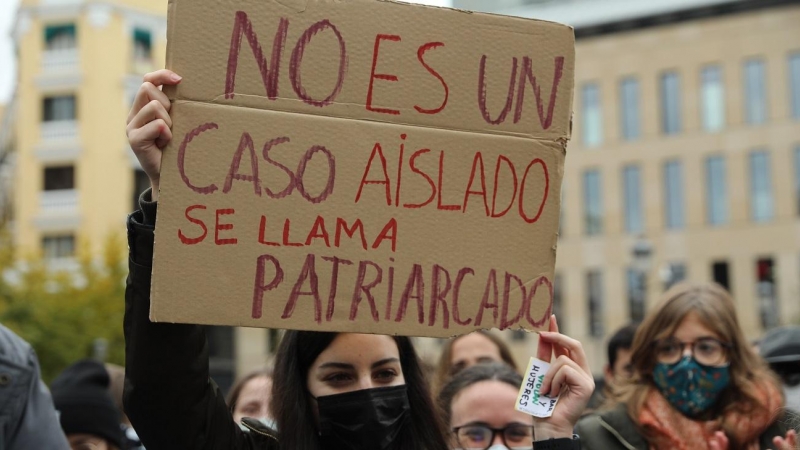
668,429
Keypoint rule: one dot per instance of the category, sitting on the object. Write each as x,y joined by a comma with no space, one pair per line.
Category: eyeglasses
480,437
707,351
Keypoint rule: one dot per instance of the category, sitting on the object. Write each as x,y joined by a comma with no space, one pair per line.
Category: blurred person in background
28,419
466,351
477,404
87,412
781,349
618,367
249,397
696,384
130,440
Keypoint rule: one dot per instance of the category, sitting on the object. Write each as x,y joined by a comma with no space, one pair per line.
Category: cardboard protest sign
364,166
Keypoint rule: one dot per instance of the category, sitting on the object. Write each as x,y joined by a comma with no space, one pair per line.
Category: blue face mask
689,386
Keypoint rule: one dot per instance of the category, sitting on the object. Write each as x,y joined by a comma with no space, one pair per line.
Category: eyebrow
478,423
346,366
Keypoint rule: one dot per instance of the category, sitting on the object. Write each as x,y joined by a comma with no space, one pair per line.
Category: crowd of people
685,378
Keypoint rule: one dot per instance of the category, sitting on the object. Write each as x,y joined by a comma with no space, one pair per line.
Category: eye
250,409
669,347
338,378
457,367
387,375
708,346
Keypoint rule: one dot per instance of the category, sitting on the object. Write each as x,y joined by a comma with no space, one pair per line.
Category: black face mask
368,419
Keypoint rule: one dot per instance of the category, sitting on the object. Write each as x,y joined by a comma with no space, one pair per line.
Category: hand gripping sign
364,166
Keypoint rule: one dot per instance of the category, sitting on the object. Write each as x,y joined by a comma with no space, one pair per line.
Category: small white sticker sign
529,400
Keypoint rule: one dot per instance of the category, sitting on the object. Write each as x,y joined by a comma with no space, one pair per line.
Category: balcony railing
59,130
58,203
61,61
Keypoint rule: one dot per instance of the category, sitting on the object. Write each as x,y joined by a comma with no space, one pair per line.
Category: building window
761,203
220,356
59,178
594,289
721,273
794,82
716,191
592,115
58,247
632,186
637,294
61,108
558,301
629,107
797,177
673,195
60,37
670,103
713,99
767,293
140,184
672,274
142,45
592,203
755,92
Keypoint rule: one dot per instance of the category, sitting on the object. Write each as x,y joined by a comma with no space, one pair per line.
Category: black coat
169,397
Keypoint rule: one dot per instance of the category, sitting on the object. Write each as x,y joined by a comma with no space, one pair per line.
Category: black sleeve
169,397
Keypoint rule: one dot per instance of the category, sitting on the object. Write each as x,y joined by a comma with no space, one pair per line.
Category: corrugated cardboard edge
171,7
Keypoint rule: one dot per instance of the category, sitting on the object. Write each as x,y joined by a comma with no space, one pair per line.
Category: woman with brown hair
465,351
697,384
250,395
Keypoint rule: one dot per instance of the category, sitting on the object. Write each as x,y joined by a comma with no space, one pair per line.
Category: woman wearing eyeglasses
478,402
697,384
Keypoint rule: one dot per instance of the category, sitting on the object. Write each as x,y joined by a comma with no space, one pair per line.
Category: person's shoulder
13,349
609,429
788,420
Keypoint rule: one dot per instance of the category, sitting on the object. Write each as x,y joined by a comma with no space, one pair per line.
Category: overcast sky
8,8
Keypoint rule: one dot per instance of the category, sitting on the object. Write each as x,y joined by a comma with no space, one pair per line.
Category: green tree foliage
62,314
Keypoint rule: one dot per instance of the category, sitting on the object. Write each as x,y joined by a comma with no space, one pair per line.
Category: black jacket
615,430
169,397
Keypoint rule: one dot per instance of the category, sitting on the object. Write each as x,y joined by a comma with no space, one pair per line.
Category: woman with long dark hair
341,391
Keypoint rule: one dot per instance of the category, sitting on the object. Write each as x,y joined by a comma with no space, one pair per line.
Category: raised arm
169,397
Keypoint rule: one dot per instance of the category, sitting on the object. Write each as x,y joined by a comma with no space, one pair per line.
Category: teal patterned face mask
689,386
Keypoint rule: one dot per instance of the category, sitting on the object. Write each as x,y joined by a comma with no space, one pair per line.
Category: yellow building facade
79,65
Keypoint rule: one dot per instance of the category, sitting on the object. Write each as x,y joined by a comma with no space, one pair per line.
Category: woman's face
253,400
691,329
354,362
472,349
490,404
